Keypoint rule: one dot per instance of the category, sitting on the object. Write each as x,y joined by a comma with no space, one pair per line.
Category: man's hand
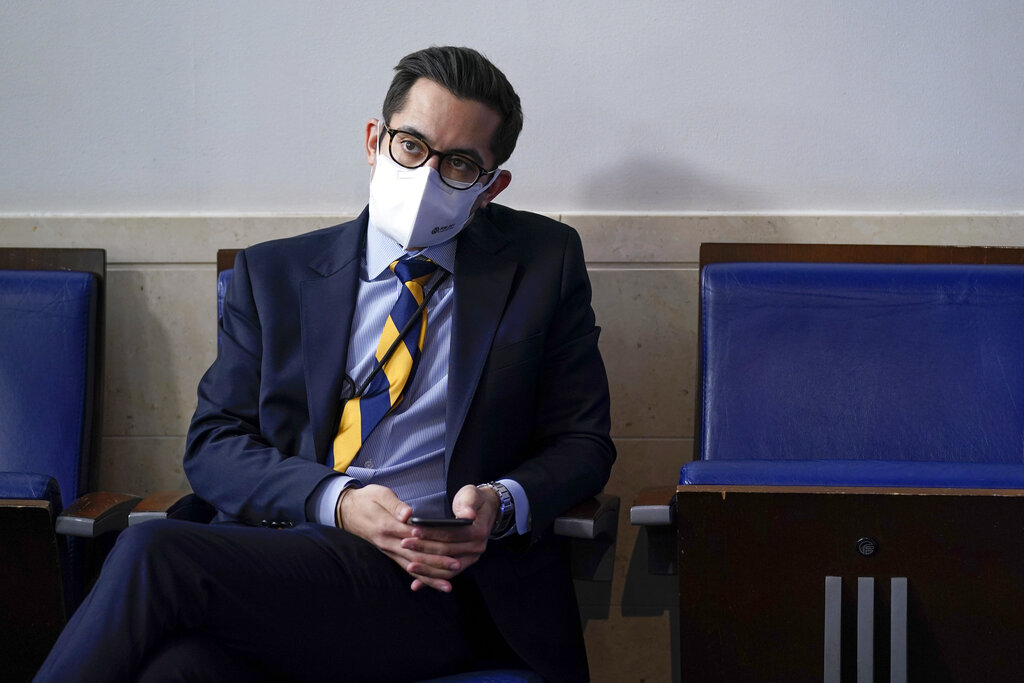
463,544
433,556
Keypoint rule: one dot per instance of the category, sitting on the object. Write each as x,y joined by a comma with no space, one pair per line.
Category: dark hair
469,75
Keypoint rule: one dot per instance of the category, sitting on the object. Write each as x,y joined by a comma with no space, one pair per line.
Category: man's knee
155,538
155,557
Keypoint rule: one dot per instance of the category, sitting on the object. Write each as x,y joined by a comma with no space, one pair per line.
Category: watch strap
506,516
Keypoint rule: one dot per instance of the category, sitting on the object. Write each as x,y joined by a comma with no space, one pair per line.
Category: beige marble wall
161,338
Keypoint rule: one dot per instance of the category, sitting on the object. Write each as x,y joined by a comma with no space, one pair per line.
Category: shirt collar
382,251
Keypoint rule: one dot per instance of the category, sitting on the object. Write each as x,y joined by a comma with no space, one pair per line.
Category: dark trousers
184,601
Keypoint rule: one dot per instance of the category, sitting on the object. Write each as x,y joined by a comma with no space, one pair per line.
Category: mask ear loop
494,176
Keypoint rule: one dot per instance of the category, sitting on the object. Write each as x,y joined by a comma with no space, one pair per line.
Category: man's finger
438,585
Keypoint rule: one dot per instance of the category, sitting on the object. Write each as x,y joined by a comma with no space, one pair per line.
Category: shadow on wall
643,595
647,183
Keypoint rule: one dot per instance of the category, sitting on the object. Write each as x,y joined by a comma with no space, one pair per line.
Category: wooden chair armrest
593,518
654,506
95,514
171,505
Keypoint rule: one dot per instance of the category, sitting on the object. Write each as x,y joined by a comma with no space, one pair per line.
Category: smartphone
439,521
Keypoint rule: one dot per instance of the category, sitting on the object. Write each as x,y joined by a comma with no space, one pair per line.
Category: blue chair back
861,369
51,341
223,278
47,375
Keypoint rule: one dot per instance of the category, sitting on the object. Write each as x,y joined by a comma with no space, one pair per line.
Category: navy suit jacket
527,398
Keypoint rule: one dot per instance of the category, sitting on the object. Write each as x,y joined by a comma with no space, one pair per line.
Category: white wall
251,106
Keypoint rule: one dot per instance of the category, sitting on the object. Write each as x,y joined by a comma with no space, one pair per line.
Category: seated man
318,438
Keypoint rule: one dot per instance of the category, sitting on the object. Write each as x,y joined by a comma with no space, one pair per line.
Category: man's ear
499,184
372,128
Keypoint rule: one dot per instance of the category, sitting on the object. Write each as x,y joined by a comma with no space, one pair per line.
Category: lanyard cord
417,314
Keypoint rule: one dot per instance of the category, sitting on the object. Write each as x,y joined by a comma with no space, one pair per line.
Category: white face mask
414,207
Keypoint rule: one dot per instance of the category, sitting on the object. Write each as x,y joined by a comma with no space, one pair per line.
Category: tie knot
413,269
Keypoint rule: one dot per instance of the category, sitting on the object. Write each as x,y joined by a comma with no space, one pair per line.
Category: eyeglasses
457,170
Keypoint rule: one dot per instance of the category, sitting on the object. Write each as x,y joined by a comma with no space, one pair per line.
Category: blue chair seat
31,486
496,676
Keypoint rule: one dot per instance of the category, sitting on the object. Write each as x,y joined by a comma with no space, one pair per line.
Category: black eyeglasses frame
433,152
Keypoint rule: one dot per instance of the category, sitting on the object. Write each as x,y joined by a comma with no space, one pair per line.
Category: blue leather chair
591,527
860,447
51,340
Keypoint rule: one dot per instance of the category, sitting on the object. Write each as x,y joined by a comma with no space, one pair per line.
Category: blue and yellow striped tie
362,413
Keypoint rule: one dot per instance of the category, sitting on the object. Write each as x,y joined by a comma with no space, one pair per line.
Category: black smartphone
439,521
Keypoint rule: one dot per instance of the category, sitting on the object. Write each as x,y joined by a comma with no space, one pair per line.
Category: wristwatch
506,509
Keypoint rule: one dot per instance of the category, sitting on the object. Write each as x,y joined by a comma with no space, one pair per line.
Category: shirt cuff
522,505
322,503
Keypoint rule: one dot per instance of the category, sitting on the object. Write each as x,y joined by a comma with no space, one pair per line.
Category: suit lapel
483,280
327,303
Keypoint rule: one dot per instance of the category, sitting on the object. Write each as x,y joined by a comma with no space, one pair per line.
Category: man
318,438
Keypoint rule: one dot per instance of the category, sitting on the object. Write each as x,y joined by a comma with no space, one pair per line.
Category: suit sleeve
571,450
227,461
